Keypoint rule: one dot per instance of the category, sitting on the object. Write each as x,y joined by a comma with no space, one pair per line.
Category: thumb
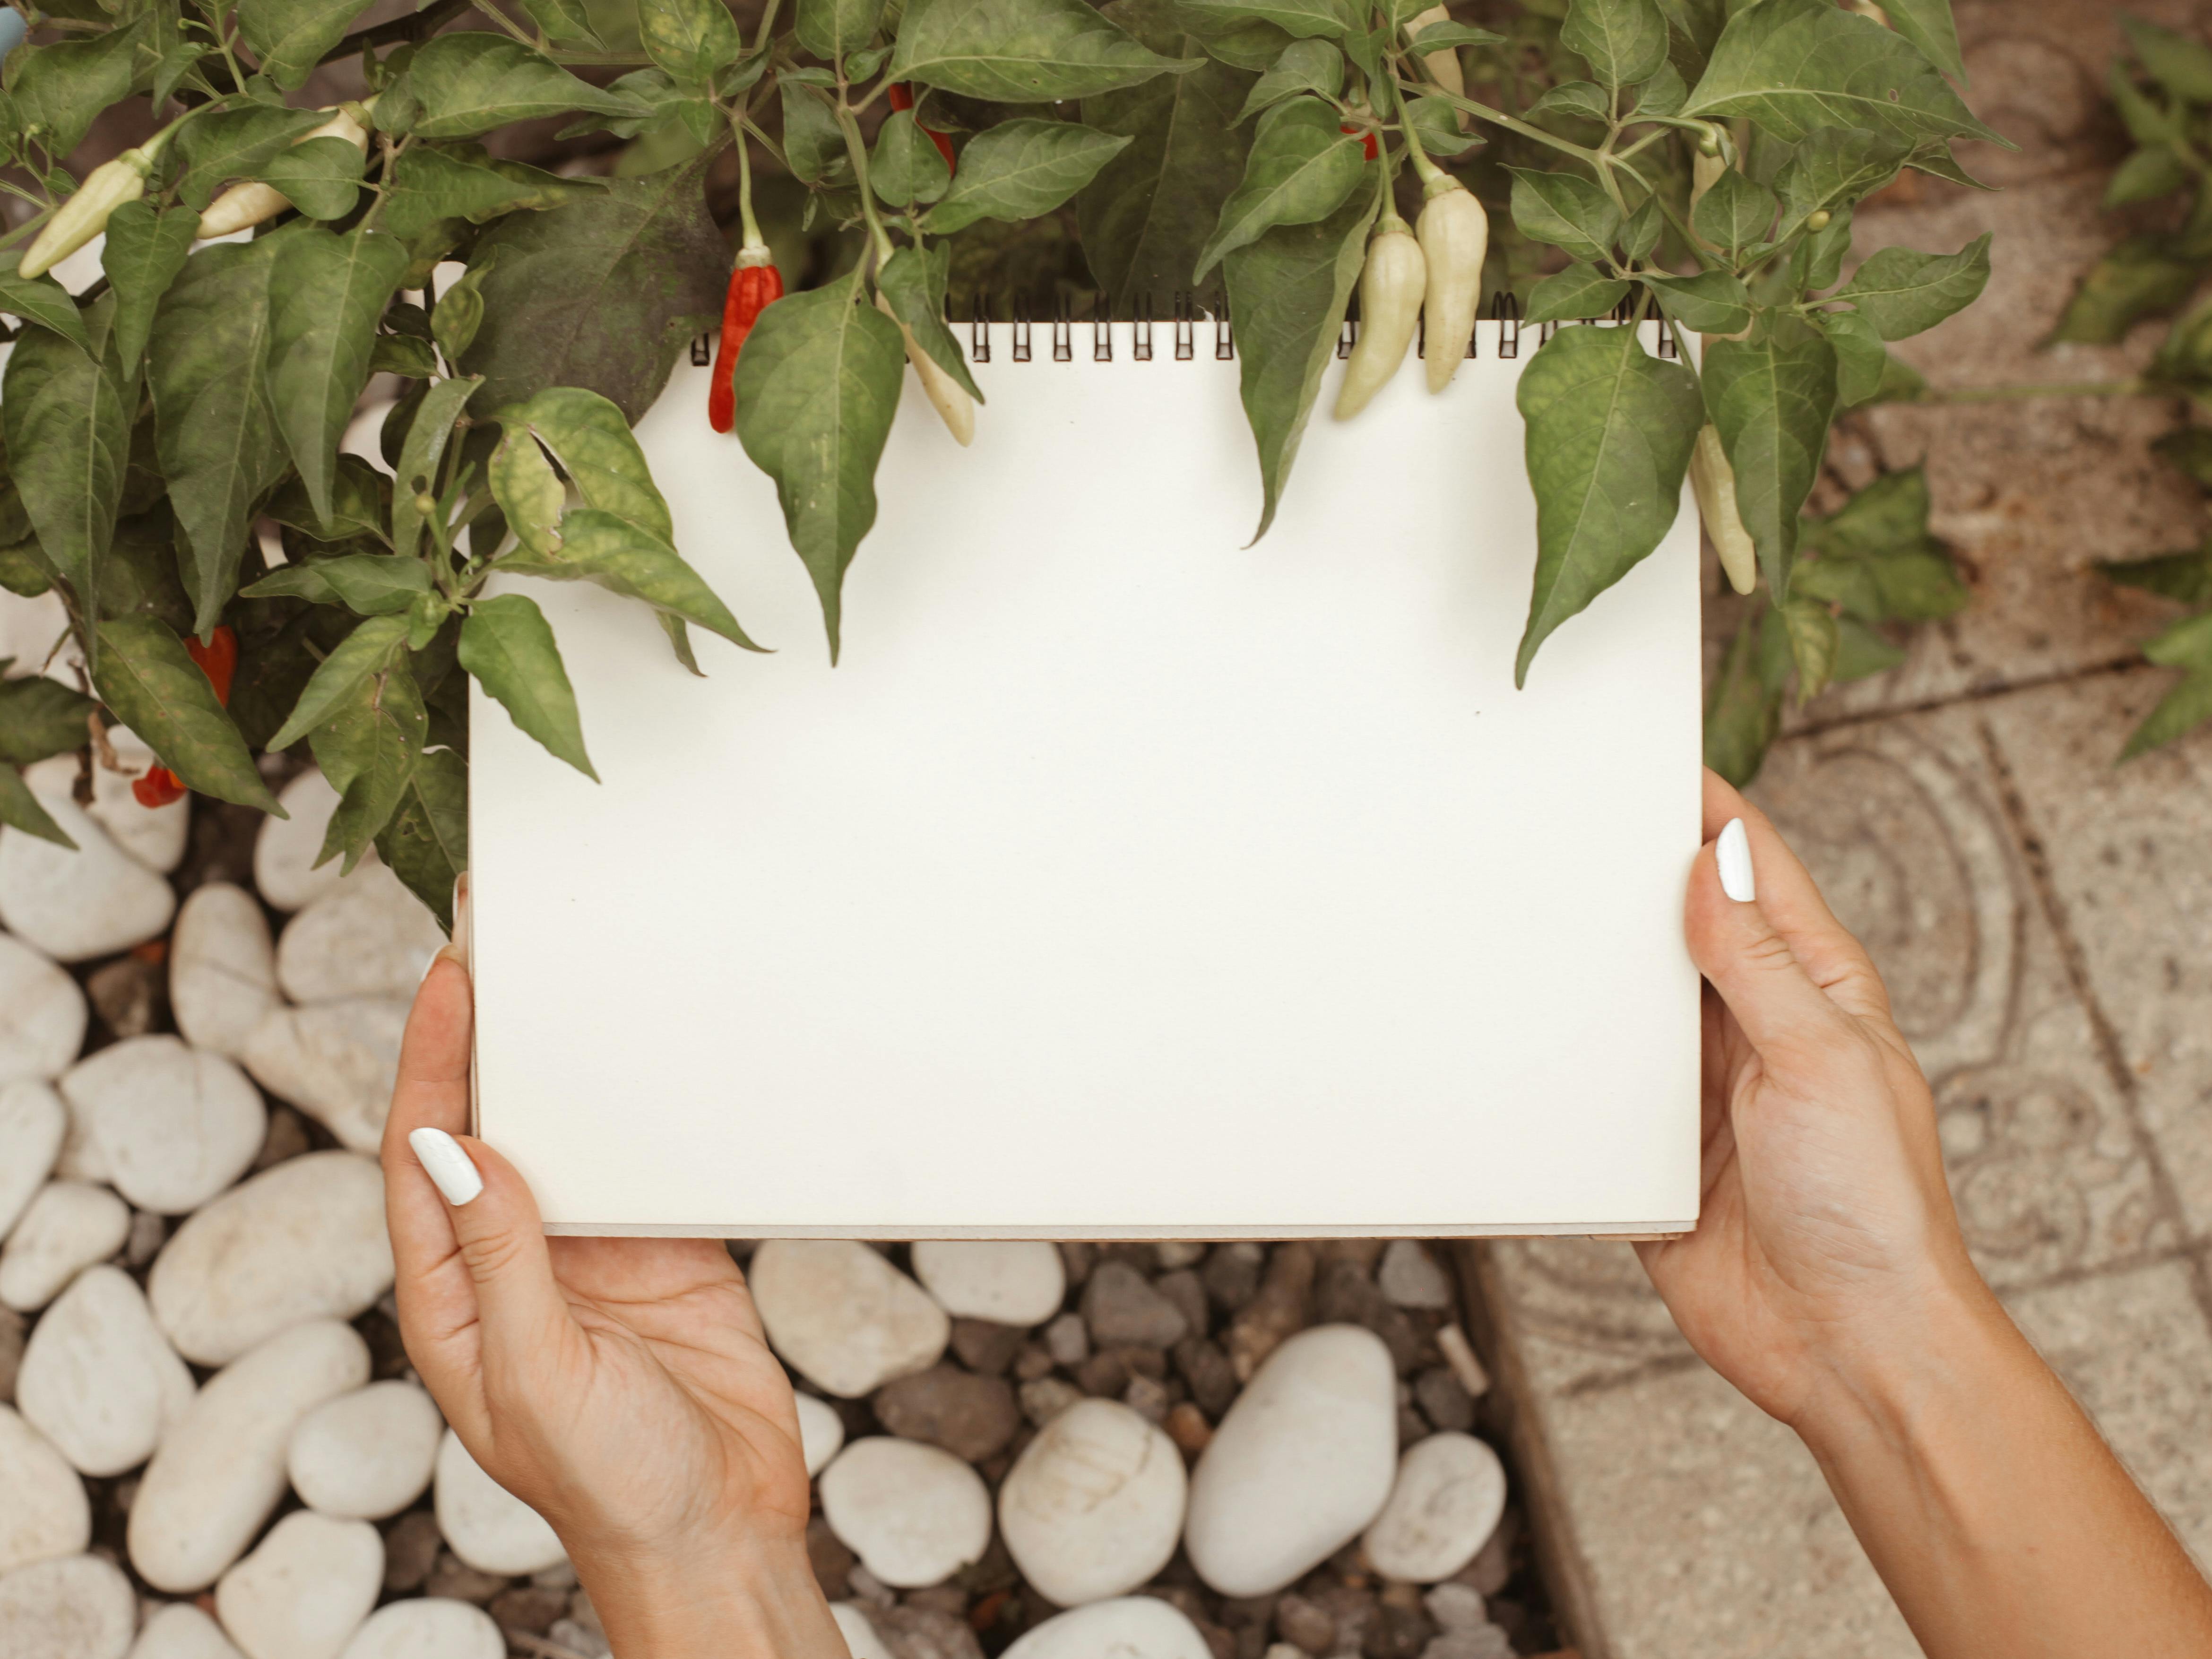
502,1240
1782,1012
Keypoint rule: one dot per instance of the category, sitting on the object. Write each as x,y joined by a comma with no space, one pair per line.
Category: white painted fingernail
1733,853
446,1165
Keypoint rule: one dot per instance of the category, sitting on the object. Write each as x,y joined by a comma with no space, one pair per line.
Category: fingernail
446,1165
1733,853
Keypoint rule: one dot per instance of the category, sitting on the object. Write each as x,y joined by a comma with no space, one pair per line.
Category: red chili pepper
218,660
901,97
1366,144
753,288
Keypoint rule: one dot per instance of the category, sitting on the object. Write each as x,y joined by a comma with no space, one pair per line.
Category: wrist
753,1594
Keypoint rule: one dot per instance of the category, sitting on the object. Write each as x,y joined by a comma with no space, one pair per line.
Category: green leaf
813,143
289,37
372,646
143,253
2181,65
422,454
2187,644
601,292
817,385
361,499
454,324
1566,210
693,41
1772,396
1833,169
903,282
463,182
2183,576
1287,294
1711,302
1901,293
1023,169
215,424
473,81
1610,429
43,300
2180,712
906,166
2145,176
1301,19
1623,41
68,440
368,584
1861,654
529,495
593,442
1579,291
56,92
1812,645
1303,168
1435,121
1742,713
1446,37
1145,215
321,177
367,750
41,717
563,20
20,810
1305,66
831,28
1580,101
1794,66
325,294
1862,360
1021,52
156,690
1664,94
507,644
627,559
236,143
1928,24
427,842
402,354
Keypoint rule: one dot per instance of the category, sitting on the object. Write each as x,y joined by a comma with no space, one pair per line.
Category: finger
1785,1015
520,1310
1834,958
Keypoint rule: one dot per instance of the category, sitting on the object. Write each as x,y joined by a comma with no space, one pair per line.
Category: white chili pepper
85,215
248,204
947,395
1391,287
1455,236
1443,65
1714,480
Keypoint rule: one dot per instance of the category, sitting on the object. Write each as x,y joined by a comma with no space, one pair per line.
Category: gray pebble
1120,1306
1067,1340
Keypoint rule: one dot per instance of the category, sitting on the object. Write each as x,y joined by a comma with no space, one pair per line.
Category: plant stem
859,151
1498,117
767,24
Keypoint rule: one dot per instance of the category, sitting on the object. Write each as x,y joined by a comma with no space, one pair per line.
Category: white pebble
33,1122
1302,1462
222,969
1449,1496
154,835
859,1635
1409,1277
1007,1282
366,1454
821,1432
304,1592
336,1062
370,938
69,1225
915,1514
75,906
1093,1506
303,1239
174,1126
285,851
77,1607
1133,1627
844,1317
98,1380
42,1015
428,1627
221,1468
485,1524
178,1630
43,1513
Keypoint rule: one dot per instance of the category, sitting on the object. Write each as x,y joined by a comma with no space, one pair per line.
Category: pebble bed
211,1443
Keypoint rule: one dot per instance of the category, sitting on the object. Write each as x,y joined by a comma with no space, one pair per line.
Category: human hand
621,1387
1827,1239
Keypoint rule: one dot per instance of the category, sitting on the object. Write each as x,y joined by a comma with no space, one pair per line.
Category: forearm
746,1601
1998,1518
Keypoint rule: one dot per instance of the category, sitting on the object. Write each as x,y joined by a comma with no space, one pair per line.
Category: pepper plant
1694,161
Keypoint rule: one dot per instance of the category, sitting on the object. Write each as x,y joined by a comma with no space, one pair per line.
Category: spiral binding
1505,310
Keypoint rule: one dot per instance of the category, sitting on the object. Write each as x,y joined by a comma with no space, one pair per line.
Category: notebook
1123,879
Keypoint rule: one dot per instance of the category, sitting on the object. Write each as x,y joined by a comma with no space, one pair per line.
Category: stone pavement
2043,917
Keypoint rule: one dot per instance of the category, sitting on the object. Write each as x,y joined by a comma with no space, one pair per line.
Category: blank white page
1123,879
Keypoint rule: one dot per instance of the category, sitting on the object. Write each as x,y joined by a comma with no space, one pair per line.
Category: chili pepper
754,286
84,215
1443,65
218,660
1714,480
900,96
1391,285
947,395
247,204
1454,236
1367,142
